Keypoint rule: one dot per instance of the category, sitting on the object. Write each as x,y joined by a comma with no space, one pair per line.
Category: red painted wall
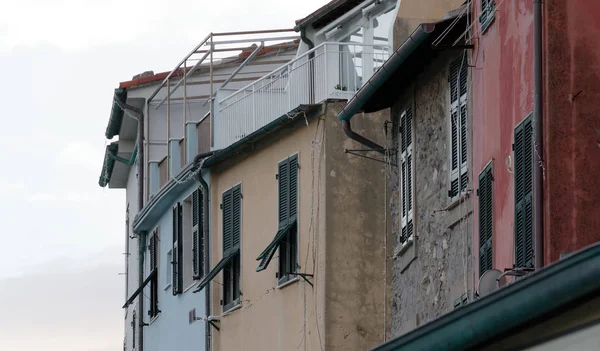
502,96
572,155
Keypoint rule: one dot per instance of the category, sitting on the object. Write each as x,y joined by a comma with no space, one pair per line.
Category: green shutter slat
293,188
523,150
179,249
237,215
195,207
284,192
174,255
227,220
485,220
195,261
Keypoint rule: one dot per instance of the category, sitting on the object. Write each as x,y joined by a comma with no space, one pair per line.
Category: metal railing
328,71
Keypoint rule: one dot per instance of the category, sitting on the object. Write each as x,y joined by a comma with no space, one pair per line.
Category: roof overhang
118,159
409,60
116,114
327,14
555,290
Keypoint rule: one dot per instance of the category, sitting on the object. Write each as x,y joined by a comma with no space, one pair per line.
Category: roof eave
109,163
536,296
116,114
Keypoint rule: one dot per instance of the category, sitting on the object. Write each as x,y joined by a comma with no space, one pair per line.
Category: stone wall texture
437,269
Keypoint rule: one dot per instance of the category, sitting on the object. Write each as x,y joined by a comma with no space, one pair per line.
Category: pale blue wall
171,329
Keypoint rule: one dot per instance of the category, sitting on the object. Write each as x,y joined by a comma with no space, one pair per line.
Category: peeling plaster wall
432,273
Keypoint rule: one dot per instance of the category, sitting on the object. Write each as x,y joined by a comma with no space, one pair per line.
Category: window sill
405,246
167,286
233,307
288,282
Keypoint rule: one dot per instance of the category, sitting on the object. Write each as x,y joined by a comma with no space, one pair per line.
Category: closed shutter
237,215
406,175
284,193
177,250
458,127
197,234
485,219
523,150
227,204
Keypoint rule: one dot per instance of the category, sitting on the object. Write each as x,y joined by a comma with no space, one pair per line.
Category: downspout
140,185
199,159
538,149
357,102
311,56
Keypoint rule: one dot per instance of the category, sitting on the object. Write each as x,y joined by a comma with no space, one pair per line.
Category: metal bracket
303,276
212,323
354,152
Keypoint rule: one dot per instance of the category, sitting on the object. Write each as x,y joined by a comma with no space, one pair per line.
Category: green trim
116,114
109,163
267,254
521,304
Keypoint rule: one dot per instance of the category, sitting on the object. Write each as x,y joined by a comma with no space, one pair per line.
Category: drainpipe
205,214
377,80
140,184
311,45
538,196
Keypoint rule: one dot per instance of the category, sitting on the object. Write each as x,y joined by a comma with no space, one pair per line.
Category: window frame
232,298
462,102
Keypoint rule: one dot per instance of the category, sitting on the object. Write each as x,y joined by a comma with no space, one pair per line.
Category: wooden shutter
485,219
406,175
197,227
458,126
523,150
237,215
293,199
227,205
284,193
177,250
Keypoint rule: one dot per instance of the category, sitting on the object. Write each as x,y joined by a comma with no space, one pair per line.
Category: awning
227,257
139,290
267,254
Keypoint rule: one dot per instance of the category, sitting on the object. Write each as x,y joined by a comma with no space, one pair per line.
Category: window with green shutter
486,224
177,254
523,150
286,238
459,178
153,252
232,226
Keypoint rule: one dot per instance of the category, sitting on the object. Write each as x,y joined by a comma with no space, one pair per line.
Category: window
523,194
488,11
286,239
406,176
459,178
230,263
177,263
486,222
232,215
153,252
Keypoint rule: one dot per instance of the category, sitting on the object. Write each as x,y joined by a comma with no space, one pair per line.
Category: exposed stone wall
432,273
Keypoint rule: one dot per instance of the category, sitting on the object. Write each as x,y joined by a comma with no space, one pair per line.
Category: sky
62,235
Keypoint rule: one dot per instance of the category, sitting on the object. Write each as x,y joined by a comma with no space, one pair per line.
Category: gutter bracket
303,276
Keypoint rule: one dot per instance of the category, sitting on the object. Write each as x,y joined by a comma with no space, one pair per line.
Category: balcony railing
329,71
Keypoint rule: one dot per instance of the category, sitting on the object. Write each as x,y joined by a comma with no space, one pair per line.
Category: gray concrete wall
355,232
430,274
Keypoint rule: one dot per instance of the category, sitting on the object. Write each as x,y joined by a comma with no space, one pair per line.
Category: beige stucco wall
411,13
270,318
355,234
344,200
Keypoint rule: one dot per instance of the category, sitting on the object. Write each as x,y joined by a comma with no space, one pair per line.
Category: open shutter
177,250
485,220
523,194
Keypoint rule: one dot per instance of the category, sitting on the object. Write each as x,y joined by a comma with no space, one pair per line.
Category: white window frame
403,159
455,107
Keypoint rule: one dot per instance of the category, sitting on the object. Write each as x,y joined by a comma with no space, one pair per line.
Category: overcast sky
62,235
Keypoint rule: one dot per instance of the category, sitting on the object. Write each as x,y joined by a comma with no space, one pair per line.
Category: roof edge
116,113
109,163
